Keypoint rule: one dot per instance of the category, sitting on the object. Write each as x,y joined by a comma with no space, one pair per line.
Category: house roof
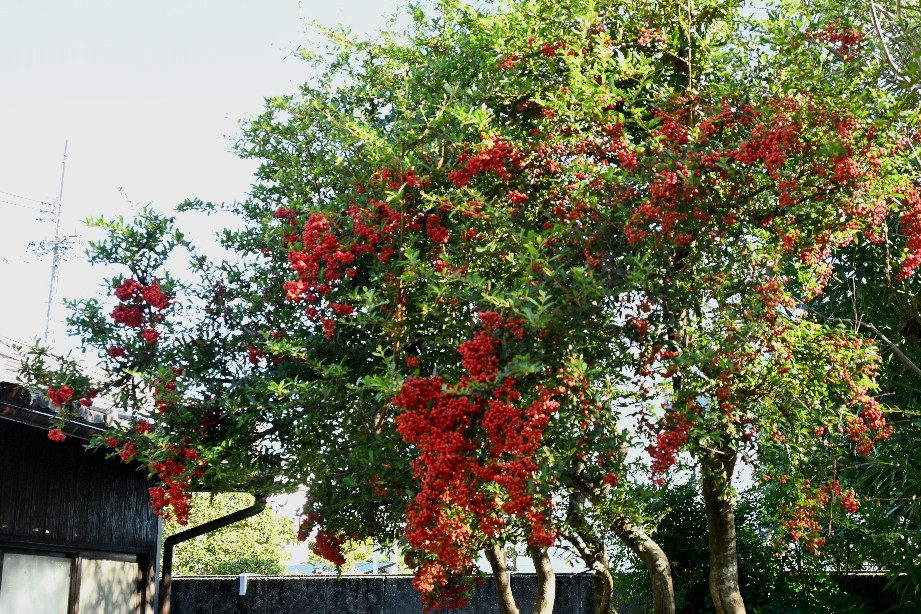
18,404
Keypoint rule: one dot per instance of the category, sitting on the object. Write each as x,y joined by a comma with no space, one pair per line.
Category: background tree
255,545
871,293
798,583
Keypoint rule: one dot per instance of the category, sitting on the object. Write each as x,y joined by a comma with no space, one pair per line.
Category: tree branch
892,345
882,39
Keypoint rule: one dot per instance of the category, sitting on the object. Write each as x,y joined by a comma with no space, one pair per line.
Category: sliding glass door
37,582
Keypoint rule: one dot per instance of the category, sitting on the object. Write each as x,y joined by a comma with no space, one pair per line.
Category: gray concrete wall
359,595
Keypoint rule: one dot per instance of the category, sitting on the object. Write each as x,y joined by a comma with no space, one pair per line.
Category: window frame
75,557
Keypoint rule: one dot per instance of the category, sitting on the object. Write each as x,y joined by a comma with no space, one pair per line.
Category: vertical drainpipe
170,542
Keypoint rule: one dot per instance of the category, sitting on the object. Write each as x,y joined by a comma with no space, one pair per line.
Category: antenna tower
55,249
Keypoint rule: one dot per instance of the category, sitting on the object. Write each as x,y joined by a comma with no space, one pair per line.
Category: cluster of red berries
153,295
396,180
306,526
910,224
287,214
847,40
672,436
60,396
444,589
319,265
479,357
834,492
435,229
173,498
495,156
467,442
254,355
801,526
329,547
323,260
650,35
135,297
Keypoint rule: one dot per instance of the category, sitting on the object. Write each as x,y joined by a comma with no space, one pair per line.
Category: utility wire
10,342
20,205
20,196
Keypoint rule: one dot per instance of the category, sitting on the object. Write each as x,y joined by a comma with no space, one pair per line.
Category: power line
10,340
20,196
20,205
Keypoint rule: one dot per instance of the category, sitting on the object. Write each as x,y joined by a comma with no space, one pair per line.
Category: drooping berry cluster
910,224
172,499
800,520
331,249
329,547
61,395
494,155
847,41
140,307
472,438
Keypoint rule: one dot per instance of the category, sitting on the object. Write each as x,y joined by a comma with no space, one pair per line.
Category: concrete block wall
359,595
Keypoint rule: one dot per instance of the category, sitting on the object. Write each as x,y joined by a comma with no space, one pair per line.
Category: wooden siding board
135,525
140,507
71,489
111,497
60,492
92,518
54,527
23,482
9,453
51,494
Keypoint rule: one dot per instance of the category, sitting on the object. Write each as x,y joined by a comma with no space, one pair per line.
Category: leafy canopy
483,260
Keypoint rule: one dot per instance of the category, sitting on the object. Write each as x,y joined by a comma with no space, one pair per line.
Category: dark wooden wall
61,493
61,497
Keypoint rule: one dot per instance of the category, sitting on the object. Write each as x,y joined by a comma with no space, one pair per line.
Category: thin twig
882,40
892,346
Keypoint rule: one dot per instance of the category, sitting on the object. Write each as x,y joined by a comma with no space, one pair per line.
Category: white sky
148,95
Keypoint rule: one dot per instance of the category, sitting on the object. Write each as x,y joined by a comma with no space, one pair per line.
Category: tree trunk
495,554
586,542
717,468
655,561
604,587
546,581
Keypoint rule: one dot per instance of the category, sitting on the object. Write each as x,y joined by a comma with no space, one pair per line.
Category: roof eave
16,406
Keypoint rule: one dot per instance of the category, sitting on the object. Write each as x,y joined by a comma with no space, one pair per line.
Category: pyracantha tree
483,262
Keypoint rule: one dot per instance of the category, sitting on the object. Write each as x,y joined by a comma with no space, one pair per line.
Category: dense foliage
798,585
500,273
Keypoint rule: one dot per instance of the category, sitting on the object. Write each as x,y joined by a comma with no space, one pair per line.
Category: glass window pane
108,587
34,584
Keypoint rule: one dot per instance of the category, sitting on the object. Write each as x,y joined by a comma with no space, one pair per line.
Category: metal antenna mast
55,248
